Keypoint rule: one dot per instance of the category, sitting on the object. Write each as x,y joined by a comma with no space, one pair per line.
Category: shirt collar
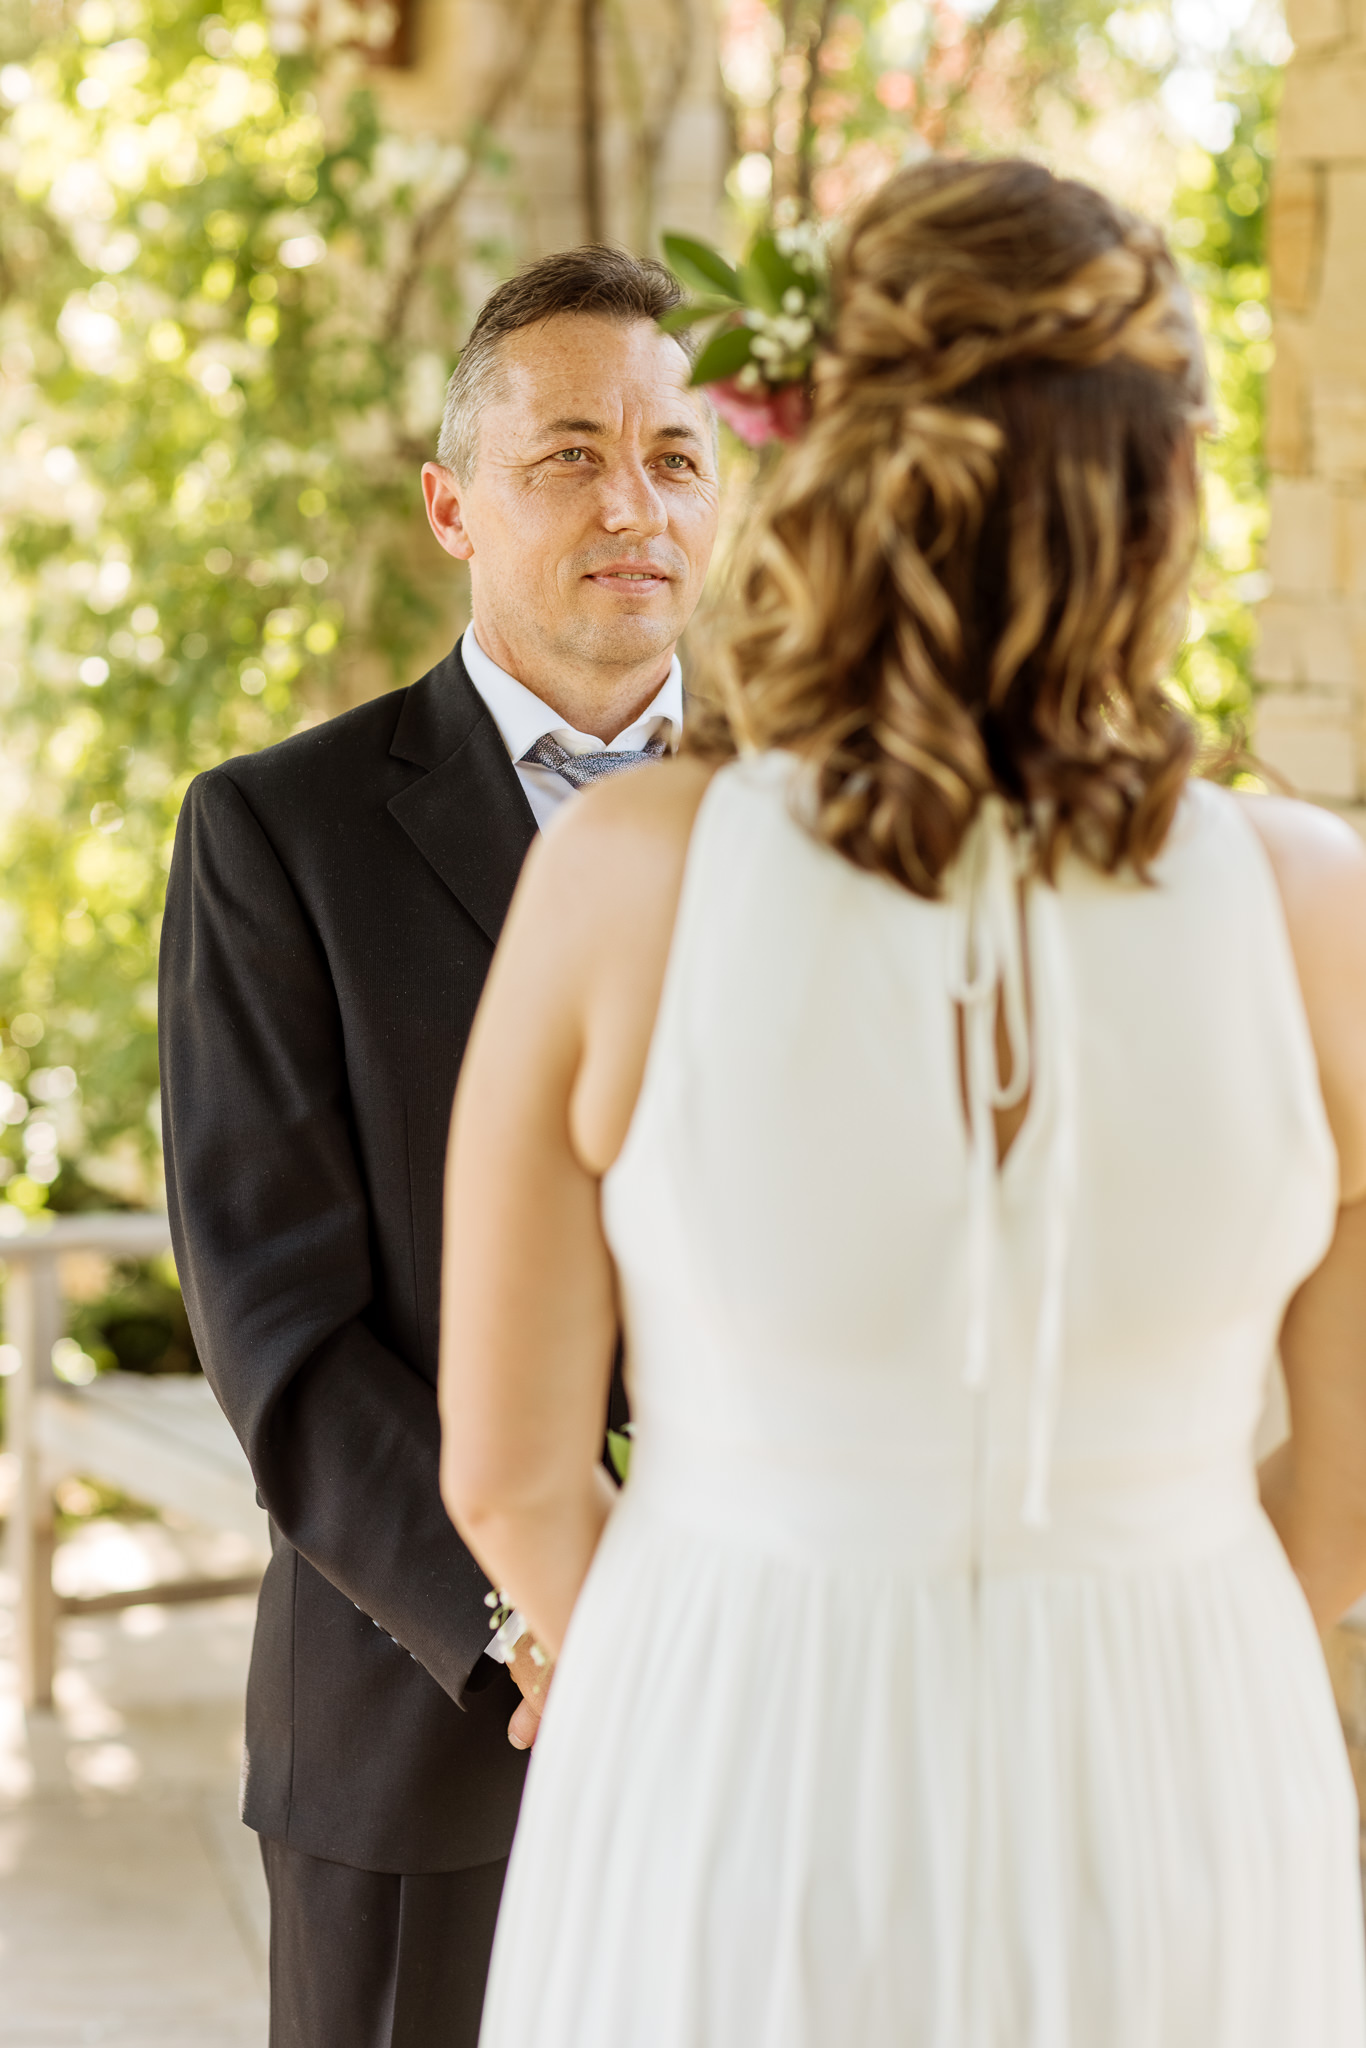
522,718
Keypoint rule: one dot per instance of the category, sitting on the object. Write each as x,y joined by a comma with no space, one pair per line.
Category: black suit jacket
332,910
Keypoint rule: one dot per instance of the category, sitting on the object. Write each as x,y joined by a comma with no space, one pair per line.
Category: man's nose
631,501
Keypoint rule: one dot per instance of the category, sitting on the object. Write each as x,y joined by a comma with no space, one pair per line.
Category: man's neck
590,698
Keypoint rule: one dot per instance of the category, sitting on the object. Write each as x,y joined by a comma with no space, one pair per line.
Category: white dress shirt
522,719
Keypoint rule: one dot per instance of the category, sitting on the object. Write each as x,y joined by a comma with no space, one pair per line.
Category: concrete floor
132,1907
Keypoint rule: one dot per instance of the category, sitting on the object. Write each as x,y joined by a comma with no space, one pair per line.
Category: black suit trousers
375,1959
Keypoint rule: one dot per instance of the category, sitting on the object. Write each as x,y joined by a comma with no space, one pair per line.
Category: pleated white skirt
774,1805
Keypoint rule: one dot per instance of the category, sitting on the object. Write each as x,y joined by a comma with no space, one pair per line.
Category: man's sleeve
270,1222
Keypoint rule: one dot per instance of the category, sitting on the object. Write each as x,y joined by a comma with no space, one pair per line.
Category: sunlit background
233,294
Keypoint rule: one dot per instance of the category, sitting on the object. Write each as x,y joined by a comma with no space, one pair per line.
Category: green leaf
619,1451
688,316
701,269
758,291
768,274
723,355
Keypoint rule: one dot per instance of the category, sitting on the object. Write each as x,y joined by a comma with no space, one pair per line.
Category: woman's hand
533,1680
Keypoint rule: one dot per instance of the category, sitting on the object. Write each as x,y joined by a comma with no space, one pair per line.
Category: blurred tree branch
590,118
817,37
650,114
528,19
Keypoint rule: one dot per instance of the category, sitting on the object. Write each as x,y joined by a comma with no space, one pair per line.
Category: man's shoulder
336,749
366,751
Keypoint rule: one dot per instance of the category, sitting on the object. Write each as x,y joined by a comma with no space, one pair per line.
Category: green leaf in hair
778,272
688,316
701,269
723,355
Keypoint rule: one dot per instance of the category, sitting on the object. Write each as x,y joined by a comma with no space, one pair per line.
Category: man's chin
620,642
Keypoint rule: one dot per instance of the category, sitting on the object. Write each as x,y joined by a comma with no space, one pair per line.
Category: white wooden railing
161,1439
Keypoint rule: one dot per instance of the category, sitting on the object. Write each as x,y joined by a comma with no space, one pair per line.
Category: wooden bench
163,1440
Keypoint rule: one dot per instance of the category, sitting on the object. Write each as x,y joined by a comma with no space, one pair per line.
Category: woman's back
801,1143
934,1681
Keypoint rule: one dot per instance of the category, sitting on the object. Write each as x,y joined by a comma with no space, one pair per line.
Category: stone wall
1312,715
653,102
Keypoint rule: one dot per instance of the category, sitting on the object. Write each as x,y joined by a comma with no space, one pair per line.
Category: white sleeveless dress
938,1682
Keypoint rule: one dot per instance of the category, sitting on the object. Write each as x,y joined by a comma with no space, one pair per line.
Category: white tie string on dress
991,977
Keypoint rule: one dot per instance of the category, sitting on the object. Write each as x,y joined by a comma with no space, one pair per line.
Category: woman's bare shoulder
1317,859
608,868
596,920
1311,850
1291,821
1320,868
626,834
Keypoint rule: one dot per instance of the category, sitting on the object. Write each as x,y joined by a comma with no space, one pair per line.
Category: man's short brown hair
611,284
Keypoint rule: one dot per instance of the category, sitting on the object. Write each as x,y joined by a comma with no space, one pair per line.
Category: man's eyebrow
573,427
674,433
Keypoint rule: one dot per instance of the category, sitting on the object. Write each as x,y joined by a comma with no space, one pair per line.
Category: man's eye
676,461
571,455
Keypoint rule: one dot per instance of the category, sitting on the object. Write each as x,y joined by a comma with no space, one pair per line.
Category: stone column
1311,720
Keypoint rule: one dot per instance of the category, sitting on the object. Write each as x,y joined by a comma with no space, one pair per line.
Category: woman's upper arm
1320,866
524,1269
528,1300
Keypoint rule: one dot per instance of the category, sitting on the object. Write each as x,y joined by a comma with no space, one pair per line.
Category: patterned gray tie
578,770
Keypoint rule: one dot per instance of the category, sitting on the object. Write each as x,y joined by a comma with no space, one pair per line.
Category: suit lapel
467,815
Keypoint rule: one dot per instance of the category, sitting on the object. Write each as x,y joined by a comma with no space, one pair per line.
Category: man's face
590,518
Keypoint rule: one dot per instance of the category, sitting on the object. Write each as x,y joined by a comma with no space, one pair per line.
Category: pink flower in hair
762,415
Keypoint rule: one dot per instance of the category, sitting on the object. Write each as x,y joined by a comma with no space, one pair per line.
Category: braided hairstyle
971,574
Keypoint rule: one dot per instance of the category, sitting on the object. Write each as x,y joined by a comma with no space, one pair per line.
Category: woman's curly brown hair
971,574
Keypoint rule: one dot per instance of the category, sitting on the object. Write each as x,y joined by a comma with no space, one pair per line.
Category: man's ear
441,494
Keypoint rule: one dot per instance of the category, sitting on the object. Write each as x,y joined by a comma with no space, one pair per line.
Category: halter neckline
1001,947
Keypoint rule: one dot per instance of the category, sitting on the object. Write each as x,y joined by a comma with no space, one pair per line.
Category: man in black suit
332,910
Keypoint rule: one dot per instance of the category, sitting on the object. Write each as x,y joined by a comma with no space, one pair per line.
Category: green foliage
826,100
1219,228
619,1451
79,1501
138,1323
224,333
216,406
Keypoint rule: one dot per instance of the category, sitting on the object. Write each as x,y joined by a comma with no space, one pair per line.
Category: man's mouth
633,577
